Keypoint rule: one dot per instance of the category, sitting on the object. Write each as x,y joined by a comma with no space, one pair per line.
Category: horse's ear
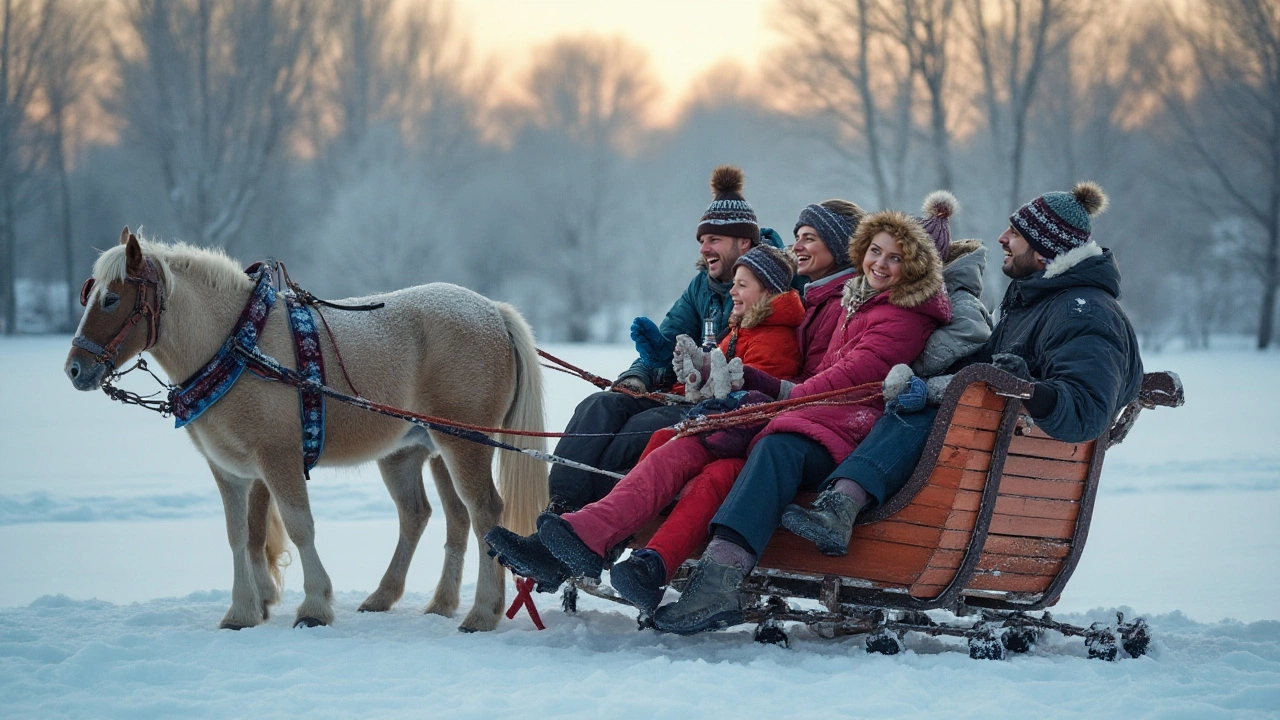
133,255
124,235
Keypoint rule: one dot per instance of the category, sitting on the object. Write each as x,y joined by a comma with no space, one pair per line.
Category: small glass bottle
708,335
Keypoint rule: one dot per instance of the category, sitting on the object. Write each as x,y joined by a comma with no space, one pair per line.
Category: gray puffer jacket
970,324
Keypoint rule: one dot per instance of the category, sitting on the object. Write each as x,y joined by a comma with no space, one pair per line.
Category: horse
436,349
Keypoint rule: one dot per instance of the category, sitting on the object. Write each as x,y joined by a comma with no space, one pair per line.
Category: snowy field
114,572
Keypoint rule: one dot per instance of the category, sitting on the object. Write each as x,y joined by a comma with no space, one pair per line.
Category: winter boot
558,536
710,601
640,579
828,524
527,557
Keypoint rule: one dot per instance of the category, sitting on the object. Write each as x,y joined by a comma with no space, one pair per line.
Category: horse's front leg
282,472
266,545
246,602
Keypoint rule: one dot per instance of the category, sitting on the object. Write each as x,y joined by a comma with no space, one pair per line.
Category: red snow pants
702,489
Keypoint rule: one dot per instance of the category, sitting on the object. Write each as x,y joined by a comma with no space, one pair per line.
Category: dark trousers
884,461
633,419
779,465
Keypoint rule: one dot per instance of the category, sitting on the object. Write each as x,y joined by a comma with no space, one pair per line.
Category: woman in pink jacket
890,309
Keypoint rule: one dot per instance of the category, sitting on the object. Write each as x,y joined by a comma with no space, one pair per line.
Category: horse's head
122,303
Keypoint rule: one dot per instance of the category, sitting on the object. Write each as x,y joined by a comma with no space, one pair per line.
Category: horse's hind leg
246,603
402,474
471,467
264,549
457,523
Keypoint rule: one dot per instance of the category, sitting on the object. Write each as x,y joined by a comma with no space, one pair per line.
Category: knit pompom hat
729,214
1058,222
774,268
938,209
833,228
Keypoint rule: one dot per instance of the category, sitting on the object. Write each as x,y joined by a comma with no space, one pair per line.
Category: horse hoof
467,630
308,622
232,626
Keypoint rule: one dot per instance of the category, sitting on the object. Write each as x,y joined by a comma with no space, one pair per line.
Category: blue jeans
884,461
778,466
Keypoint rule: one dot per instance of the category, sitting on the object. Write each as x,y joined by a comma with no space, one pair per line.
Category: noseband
147,305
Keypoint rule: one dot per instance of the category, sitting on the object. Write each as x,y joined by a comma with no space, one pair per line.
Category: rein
148,305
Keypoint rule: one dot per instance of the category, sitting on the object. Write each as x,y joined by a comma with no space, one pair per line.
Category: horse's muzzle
85,373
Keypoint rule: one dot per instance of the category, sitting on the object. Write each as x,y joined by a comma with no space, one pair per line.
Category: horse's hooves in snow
465,629
308,622
232,626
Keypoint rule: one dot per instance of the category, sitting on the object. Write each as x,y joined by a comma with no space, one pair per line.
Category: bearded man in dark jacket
1061,327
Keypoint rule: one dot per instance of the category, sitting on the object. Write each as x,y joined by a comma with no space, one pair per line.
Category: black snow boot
558,536
640,579
828,524
710,601
527,557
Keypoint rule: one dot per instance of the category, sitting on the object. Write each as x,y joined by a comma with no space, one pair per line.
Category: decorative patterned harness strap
192,398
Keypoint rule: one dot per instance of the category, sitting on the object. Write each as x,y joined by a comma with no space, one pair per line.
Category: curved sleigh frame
995,515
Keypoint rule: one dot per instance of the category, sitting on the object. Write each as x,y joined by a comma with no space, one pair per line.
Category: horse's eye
110,301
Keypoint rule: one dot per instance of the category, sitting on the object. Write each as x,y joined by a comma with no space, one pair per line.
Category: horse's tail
276,548
522,480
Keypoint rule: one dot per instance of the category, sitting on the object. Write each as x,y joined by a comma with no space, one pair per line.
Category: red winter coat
765,337
822,314
878,336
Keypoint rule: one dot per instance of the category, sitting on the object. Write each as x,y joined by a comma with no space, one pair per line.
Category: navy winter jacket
1068,325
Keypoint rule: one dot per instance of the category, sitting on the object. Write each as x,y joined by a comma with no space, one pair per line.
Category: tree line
369,146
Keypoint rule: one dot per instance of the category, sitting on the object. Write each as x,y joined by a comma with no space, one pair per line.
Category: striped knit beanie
729,214
1058,222
771,266
834,230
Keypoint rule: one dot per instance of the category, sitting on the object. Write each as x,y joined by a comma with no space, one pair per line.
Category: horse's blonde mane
208,267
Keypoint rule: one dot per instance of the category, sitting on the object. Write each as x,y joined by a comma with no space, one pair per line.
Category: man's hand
1012,364
650,343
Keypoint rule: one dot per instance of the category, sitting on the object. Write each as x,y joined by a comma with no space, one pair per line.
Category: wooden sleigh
991,524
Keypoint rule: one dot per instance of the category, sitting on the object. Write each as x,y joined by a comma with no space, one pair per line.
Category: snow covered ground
114,572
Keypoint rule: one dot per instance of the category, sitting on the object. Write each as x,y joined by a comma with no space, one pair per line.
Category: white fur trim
1071,258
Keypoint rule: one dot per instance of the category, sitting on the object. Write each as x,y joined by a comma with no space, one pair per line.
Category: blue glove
654,349
911,399
769,236
1012,364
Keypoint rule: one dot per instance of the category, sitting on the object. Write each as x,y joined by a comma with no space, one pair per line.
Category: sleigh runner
993,521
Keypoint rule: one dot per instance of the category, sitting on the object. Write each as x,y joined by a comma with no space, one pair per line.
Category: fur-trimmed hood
921,267
781,309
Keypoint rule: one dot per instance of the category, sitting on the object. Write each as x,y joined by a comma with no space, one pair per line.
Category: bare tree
833,46
1013,41
923,28
1229,122
66,65
23,35
587,101
212,92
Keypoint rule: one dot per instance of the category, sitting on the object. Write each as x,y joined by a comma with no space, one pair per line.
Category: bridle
148,304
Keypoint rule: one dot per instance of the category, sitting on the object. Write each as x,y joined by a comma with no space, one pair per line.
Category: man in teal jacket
727,230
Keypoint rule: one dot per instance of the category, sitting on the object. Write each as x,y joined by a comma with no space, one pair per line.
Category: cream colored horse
435,349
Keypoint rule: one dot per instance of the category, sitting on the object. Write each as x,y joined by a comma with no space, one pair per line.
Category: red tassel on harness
524,597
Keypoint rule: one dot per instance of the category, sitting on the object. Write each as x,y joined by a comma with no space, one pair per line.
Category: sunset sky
683,37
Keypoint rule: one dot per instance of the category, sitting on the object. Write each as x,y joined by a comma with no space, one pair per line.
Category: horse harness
148,304
198,393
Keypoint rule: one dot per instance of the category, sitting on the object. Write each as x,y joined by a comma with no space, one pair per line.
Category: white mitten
896,380
689,363
722,376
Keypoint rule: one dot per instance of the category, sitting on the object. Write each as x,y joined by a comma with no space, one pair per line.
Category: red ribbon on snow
524,598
